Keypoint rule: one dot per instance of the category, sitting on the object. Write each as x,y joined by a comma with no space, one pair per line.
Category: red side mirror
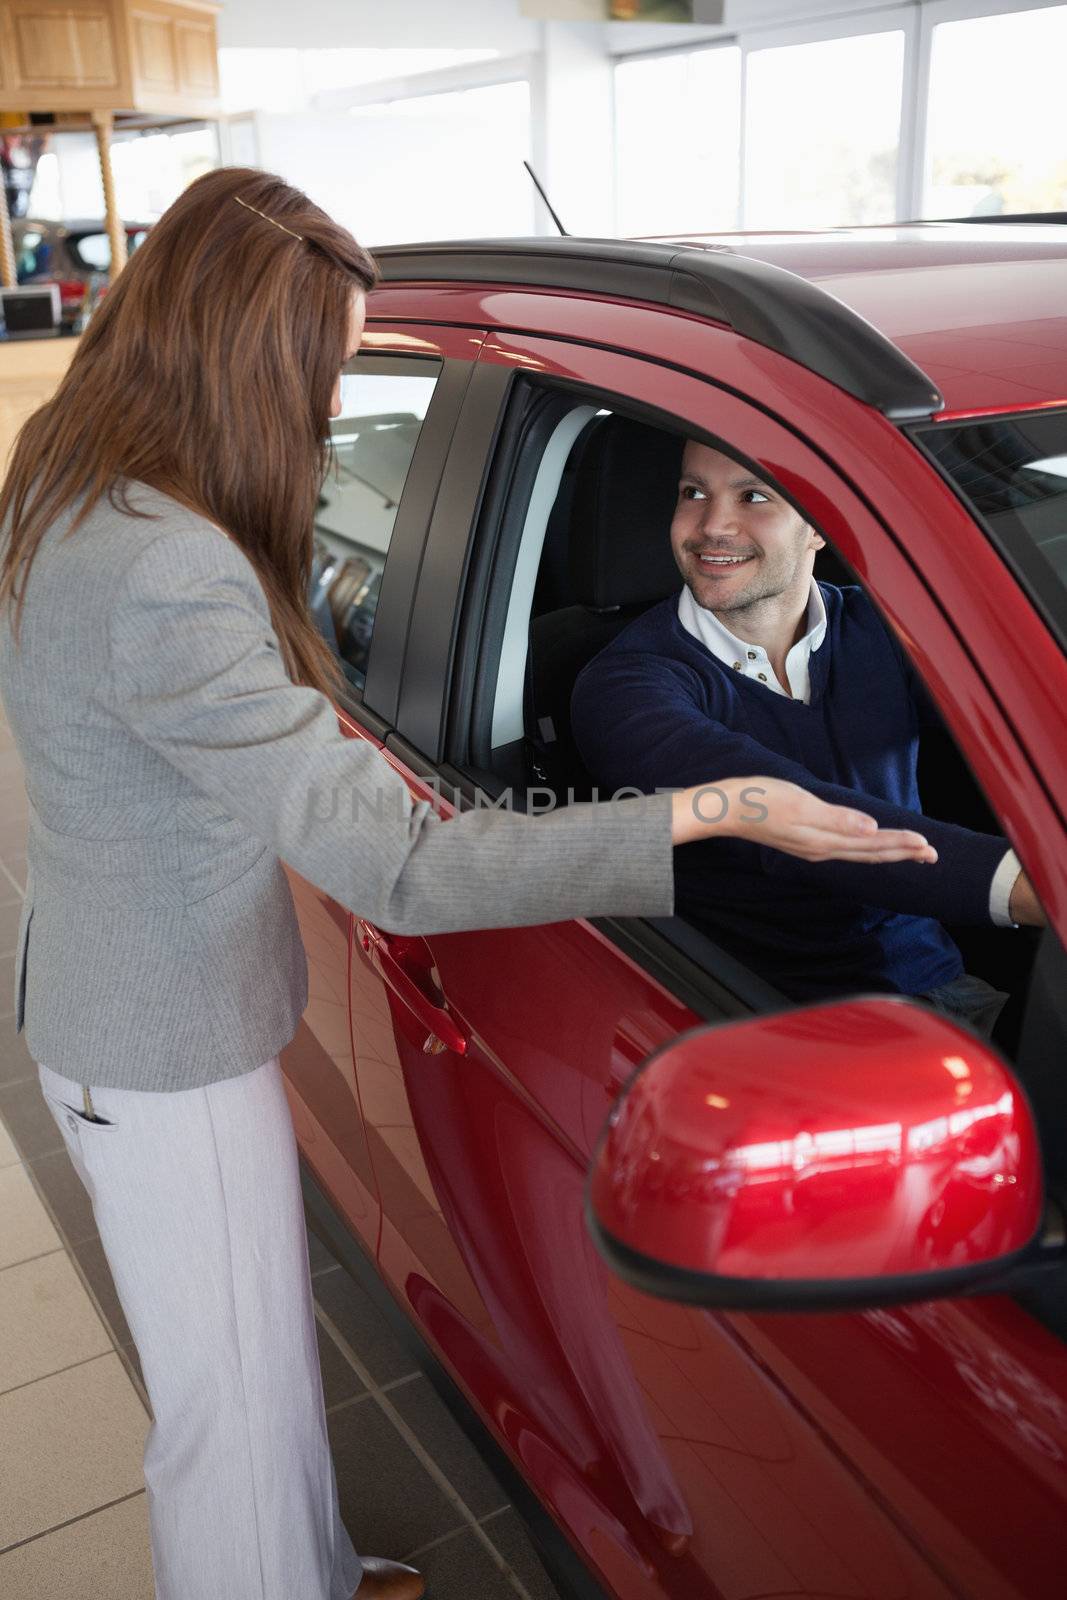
837,1155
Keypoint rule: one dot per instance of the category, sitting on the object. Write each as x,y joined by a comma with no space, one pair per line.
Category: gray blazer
170,762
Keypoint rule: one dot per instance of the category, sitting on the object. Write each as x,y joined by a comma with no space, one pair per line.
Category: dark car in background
507,464
71,254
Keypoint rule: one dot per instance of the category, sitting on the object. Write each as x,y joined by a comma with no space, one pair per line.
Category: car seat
612,559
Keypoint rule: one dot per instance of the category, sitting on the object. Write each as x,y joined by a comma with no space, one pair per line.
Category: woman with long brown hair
170,698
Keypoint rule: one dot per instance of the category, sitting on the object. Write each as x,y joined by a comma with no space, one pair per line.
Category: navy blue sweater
656,709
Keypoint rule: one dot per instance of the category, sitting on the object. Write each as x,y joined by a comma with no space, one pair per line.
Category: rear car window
1012,471
92,251
384,400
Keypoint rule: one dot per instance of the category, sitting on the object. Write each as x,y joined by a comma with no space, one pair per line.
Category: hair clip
272,220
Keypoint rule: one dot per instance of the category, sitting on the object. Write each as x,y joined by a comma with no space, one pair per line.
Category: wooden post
102,125
8,276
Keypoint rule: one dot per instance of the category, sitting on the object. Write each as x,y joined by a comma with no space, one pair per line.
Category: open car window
589,553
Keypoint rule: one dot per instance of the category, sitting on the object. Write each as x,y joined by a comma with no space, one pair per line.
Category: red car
832,1359
70,254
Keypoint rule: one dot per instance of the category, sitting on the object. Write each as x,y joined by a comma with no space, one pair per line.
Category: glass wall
996,120
440,166
822,132
921,110
150,169
677,133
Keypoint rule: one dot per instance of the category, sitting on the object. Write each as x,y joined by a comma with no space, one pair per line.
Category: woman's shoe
389,1580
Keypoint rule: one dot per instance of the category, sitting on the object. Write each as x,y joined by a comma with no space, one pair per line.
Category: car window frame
454,352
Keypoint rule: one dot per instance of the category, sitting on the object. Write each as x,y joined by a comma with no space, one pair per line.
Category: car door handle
393,960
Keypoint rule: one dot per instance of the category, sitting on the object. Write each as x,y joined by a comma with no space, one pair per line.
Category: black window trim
532,409
442,568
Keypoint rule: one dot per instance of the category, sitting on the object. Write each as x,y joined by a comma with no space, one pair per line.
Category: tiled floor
73,1412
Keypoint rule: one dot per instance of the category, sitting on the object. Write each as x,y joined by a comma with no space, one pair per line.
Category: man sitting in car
757,668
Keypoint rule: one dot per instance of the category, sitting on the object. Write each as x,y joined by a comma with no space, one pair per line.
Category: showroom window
777,132
822,132
678,134
430,169
152,169
995,119
951,108
384,400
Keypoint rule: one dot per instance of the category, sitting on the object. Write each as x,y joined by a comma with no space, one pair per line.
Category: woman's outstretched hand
783,816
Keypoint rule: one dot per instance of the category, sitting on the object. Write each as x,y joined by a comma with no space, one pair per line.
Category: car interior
371,456
343,595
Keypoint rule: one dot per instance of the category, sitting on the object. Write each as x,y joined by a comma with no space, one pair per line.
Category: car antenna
540,189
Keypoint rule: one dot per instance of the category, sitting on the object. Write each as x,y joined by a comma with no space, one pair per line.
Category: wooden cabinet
51,45
198,57
174,55
153,56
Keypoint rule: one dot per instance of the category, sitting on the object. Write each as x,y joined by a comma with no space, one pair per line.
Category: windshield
1013,472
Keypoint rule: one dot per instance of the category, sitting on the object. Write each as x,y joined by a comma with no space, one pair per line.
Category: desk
30,369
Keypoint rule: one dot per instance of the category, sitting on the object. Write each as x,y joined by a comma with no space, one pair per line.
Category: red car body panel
320,1079
678,1464
891,1454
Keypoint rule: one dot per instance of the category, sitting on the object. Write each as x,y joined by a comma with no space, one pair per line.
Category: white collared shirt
752,661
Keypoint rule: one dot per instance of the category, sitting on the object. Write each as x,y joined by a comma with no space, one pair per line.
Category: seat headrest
625,492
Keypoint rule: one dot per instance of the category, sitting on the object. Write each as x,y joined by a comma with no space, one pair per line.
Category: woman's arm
196,673
780,815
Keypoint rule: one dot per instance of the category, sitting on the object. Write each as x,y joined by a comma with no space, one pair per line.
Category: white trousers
196,1195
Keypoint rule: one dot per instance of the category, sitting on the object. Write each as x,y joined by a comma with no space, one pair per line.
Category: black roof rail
1054,218
765,303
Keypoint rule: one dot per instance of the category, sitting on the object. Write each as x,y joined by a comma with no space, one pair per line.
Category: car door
400,399
685,1454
